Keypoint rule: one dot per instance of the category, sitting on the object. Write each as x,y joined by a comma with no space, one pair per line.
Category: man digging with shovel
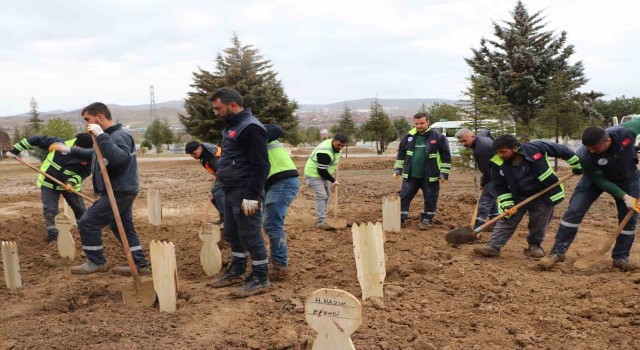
520,171
319,171
119,153
62,166
610,165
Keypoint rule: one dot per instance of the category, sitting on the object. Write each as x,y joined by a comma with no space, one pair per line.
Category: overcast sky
70,53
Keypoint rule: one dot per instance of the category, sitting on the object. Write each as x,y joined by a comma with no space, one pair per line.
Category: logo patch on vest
603,161
410,139
231,134
433,142
537,156
626,142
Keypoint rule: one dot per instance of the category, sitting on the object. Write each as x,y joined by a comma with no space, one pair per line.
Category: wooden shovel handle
116,212
475,211
605,248
523,203
53,179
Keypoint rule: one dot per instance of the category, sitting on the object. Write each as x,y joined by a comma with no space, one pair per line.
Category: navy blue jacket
482,154
244,161
536,153
119,152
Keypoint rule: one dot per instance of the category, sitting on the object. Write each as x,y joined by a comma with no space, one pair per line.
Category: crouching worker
520,171
61,166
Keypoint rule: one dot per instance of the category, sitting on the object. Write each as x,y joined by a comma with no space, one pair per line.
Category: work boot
486,251
126,270
88,267
256,283
534,251
425,224
547,262
624,265
324,226
403,223
277,272
232,275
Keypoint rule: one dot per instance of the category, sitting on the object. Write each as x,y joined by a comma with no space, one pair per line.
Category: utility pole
152,104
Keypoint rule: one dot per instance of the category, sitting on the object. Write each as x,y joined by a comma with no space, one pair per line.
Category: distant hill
391,104
138,116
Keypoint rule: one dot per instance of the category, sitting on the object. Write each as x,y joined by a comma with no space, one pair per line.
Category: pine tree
442,112
35,123
522,60
378,128
484,103
312,135
244,69
58,127
347,127
158,133
401,125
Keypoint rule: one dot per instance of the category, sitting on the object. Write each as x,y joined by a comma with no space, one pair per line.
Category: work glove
336,183
68,187
443,180
510,210
576,171
250,206
95,129
60,147
397,174
9,154
631,203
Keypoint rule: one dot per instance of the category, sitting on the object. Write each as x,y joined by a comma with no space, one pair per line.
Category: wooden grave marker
68,211
11,265
368,248
391,214
154,206
66,244
210,256
165,274
335,315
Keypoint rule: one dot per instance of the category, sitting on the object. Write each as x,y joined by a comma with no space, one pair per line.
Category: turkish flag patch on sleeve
433,142
537,156
626,142
232,134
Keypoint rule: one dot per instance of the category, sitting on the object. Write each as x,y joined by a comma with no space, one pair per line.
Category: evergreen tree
312,135
378,128
159,133
522,60
484,103
35,123
244,69
442,112
346,126
401,125
618,107
58,127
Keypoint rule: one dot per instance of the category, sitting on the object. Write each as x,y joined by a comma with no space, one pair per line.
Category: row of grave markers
334,314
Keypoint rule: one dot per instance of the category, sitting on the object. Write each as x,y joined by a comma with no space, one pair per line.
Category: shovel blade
139,295
461,235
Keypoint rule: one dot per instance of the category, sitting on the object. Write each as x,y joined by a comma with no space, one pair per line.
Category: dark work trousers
217,199
583,196
487,205
244,233
430,192
540,214
98,216
50,200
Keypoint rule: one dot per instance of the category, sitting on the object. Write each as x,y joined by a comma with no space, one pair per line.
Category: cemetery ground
436,296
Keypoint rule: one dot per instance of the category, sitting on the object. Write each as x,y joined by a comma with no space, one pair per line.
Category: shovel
142,294
336,222
53,179
467,234
594,256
